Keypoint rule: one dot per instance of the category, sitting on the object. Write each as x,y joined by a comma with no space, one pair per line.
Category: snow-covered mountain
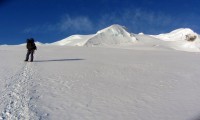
178,34
111,36
118,36
181,39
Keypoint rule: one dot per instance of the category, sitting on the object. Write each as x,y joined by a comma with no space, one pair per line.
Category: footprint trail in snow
16,97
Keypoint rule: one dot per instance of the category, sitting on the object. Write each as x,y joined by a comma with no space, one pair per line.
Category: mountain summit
113,35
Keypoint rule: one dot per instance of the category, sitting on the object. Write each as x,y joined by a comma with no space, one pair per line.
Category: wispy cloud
80,23
138,20
66,24
150,22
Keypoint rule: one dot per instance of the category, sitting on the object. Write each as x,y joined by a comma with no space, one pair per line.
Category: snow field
83,83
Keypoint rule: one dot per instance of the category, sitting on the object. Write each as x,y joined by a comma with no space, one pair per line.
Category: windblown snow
110,75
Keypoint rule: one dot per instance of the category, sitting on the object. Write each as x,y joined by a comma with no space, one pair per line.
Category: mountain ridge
118,36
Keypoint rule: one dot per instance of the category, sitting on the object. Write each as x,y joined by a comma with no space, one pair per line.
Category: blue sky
52,20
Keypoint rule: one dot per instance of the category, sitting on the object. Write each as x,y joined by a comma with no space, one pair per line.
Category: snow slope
96,83
74,40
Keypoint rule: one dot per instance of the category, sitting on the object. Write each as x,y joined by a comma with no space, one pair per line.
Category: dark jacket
31,45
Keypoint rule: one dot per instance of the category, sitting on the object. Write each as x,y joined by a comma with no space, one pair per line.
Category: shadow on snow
57,60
